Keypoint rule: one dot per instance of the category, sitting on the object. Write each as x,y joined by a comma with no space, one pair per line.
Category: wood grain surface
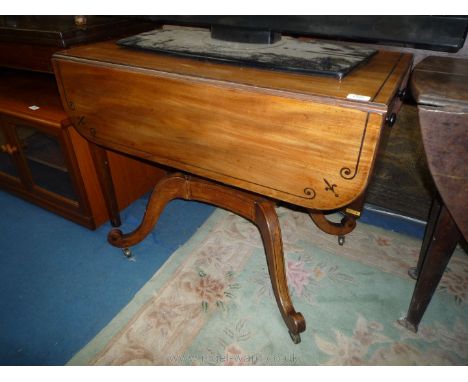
445,137
441,81
440,88
18,91
291,137
373,79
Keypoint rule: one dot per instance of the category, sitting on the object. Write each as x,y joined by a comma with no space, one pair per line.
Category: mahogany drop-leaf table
238,137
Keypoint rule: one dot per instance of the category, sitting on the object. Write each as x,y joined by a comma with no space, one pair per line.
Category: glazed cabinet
44,160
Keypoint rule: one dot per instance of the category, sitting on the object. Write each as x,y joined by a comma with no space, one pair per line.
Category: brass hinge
353,212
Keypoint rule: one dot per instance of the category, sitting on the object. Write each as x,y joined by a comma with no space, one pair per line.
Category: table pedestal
256,209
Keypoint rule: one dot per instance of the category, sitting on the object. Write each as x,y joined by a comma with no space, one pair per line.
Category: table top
441,81
376,81
308,140
440,86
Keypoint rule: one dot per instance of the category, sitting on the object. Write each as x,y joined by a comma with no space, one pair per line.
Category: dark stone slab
288,54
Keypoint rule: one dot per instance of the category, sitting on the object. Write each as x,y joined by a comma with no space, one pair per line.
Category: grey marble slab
288,54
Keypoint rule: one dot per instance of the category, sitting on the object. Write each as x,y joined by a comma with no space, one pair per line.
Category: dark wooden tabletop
441,81
440,87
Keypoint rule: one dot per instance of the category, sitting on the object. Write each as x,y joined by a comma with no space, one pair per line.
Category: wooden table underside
253,136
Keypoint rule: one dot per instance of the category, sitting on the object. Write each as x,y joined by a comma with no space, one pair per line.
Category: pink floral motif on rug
212,303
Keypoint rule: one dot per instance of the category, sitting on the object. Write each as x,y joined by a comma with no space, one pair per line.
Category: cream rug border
157,282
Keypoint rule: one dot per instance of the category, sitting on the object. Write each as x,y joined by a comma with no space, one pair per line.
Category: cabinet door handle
9,149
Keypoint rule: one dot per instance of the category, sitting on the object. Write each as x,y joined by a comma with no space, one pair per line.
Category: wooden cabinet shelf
44,160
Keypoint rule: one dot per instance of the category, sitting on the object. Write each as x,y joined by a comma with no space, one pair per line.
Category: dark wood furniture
244,137
28,42
43,158
46,161
439,85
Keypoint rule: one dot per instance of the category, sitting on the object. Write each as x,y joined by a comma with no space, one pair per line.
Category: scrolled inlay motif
309,192
346,173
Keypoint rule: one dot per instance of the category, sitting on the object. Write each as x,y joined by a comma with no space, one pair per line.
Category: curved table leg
258,210
351,213
344,227
169,188
267,221
347,224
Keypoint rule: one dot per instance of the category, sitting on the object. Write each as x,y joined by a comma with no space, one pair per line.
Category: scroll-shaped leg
351,213
347,224
169,188
267,221
258,210
344,227
444,238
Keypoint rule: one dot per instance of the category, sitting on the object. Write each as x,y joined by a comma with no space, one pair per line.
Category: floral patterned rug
212,303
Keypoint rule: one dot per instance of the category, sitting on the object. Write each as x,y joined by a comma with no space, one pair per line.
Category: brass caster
295,337
341,239
413,273
127,252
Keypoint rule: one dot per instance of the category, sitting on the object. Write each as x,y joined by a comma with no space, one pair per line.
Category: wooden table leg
434,213
346,225
258,210
101,162
435,254
266,220
351,213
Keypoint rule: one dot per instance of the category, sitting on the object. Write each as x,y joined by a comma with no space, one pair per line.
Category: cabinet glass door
46,161
7,166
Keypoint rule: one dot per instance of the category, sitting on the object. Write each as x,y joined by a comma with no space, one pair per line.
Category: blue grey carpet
60,283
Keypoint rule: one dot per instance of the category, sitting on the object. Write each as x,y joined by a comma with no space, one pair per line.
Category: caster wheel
127,252
341,239
295,337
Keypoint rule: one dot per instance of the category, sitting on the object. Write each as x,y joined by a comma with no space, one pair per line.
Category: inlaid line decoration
346,172
331,187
